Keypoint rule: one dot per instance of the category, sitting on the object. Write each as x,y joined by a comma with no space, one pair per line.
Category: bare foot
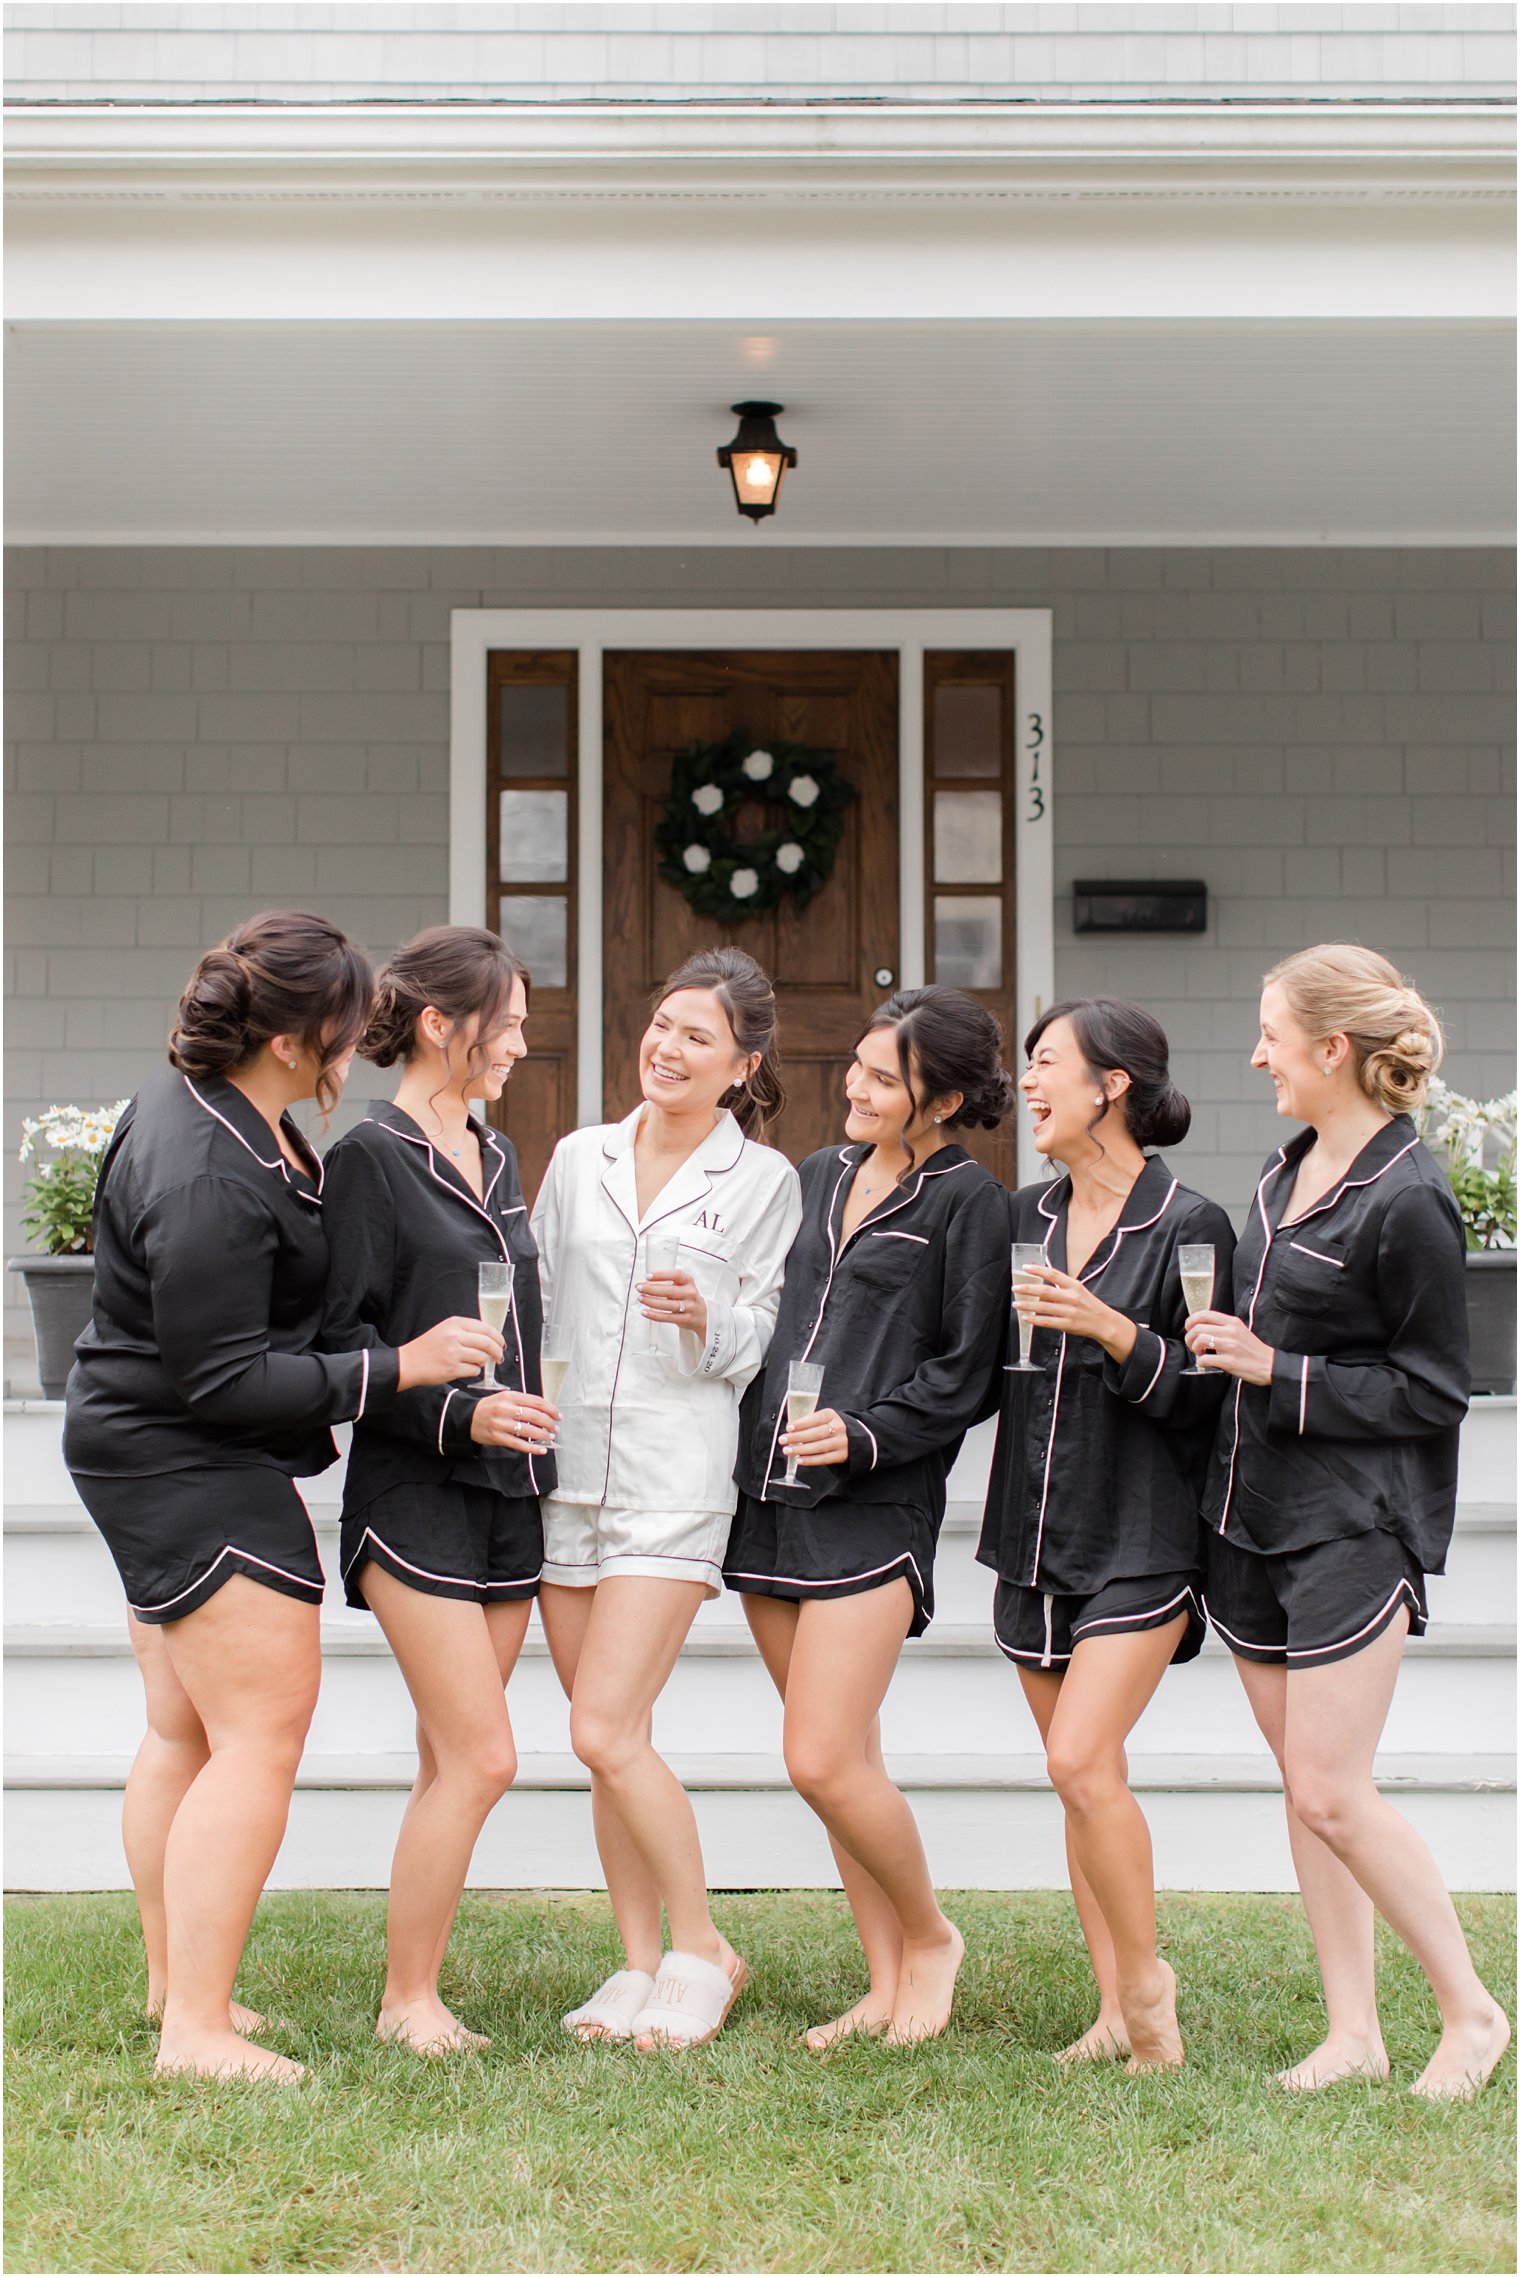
926,1989
248,2021
1336,2058
427,2028
1155,2042
1107,2037
1465,2055
867,2020
223,2055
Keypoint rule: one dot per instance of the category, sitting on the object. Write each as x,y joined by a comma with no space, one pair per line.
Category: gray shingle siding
1326,737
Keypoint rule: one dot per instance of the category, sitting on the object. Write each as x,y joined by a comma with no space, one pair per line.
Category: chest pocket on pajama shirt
1309,1278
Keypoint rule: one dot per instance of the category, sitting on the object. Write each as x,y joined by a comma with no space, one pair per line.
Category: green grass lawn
972,2153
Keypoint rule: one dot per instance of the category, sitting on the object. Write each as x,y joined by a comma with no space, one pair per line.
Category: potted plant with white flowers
1476,1140
68,1145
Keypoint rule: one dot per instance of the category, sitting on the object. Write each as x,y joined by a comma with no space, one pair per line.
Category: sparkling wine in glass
1196,1262
662,1254
804,1383
1026,1294
495,1298
554,1362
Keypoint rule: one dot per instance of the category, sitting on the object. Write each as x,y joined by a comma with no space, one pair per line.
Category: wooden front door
824,960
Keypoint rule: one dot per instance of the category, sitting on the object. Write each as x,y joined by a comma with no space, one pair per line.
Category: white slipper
609,2013
690,2001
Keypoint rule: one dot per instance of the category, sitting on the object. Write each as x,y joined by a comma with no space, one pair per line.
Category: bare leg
631,1888
449,1657
1107,2035
1335,1716
1102,1695
1340,1920
773,1622
632,1639
250,1661
842,1659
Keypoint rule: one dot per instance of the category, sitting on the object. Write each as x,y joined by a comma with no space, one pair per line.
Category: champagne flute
1026,1291
555,1355
495,1299
1196,1263
662,1254
804,1383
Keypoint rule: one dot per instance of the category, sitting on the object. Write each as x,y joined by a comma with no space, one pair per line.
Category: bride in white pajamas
635,1531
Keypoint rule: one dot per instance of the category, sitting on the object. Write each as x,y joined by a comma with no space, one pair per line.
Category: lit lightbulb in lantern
757,474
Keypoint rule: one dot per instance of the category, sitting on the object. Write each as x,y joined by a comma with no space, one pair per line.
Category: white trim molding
1026,633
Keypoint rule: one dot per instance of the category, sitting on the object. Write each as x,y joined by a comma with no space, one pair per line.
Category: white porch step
71,1689
58,1568
1216,1823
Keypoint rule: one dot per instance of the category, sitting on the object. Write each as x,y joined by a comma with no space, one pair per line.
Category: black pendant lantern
757,459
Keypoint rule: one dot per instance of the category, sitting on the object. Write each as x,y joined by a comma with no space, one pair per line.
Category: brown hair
1340,988
749,1003
460,970
282,973
947,1041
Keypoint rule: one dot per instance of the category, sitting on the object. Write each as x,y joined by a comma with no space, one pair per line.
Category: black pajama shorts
1305,1608
1039,1628
837,1549
449,1540
176,1536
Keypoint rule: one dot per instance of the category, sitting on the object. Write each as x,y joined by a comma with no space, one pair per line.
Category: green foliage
731,879
974,2153
59,1198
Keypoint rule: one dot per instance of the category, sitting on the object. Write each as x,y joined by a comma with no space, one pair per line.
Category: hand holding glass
1196,1263
495,1287
662,1254
804,1384
1026,1295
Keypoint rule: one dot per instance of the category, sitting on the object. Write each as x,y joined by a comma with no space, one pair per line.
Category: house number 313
1034,747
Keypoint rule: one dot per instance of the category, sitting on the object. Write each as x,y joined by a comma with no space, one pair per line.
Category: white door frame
908,632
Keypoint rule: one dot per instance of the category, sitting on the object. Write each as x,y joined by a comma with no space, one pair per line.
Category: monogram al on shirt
658,1434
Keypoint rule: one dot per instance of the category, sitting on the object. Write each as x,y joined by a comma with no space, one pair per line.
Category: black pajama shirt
1092,1518
196,1398
1332,1490
442,1513
907,1318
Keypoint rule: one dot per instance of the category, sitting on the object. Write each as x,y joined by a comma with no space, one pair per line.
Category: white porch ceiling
952,433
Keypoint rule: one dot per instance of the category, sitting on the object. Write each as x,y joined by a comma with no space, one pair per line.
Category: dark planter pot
1491,1318
62,1290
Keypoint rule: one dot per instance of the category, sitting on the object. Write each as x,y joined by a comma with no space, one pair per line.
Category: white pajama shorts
588,1542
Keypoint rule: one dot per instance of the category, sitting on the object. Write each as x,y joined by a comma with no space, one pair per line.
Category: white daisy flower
804,790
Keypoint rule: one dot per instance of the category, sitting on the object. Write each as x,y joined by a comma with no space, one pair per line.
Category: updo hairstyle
1340,988
749,1005
283,973
947,1041
1114,1036
462,971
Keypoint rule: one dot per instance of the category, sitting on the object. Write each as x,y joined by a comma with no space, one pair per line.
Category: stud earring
939,1118
1098,1101
290,1063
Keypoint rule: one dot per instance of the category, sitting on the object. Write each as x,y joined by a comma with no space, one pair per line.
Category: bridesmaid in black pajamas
442,1536
897,1283
196,1402
1092,1519
1332,1491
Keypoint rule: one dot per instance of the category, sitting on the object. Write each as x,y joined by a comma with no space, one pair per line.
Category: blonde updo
1342,988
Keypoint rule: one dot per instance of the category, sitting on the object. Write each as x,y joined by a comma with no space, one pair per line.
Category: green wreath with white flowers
730,878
